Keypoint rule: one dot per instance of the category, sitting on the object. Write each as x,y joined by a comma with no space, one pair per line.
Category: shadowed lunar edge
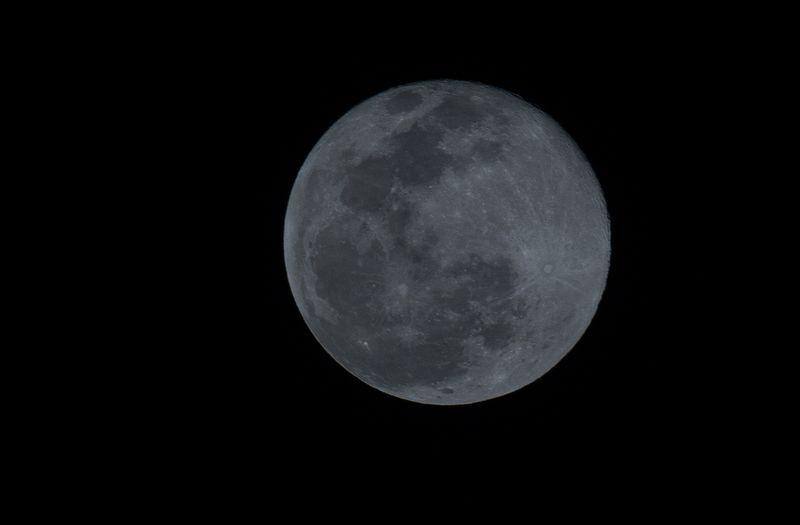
446,242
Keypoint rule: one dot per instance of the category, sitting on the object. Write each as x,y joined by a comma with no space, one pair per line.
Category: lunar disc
446,242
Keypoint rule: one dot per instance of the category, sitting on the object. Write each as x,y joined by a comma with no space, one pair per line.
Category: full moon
446,242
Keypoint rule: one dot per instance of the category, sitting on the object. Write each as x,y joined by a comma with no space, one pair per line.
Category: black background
192,372
192,376
250,372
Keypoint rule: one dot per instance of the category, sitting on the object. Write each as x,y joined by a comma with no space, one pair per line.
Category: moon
446,242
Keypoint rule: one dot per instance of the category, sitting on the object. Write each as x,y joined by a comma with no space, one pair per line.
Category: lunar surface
446,242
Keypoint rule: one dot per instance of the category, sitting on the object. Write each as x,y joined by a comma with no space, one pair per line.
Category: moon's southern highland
446,242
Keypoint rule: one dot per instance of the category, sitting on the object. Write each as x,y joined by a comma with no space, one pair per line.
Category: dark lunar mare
446,242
